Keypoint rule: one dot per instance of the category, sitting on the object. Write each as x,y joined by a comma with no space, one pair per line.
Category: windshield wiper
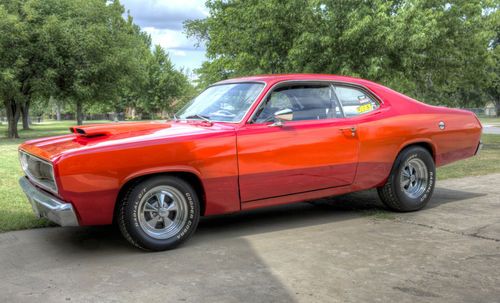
201,117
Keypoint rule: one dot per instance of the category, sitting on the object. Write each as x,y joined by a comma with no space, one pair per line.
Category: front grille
39,171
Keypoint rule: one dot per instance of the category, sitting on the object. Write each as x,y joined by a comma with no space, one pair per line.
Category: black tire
133,223
398,194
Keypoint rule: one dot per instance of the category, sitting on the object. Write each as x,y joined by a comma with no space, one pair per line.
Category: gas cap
442,125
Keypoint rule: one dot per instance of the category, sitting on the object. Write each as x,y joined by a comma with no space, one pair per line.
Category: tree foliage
11,37
434,50
493,86
165,85
80,52
96,53
29,72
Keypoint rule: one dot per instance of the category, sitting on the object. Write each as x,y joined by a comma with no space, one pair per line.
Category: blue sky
163,19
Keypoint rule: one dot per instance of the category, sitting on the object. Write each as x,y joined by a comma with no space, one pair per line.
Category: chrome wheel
162,212
414,178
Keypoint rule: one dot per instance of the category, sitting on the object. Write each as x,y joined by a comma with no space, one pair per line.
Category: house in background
490,109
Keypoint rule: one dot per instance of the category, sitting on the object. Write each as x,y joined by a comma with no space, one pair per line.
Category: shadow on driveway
325,251
265,220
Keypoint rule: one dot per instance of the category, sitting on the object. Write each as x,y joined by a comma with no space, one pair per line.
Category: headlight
39,171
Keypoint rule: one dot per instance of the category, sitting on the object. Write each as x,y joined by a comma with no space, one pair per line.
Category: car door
317,149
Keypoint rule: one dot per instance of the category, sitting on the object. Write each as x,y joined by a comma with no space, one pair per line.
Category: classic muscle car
242,144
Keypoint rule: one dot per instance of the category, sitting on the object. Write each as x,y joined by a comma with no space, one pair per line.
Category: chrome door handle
351,129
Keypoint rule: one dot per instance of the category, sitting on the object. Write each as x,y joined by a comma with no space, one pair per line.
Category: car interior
315,102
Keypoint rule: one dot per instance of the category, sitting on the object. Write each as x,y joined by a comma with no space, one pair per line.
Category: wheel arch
390,192
424,143
187,175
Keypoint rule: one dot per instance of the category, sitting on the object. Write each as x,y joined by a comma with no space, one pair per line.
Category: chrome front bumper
47,206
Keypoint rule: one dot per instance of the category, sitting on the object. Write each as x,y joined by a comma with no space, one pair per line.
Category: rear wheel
411,183
159,213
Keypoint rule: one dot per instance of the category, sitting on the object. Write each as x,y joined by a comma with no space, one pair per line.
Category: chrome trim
330,82
332,89
235,82
31,177
413,179
47,206
163,212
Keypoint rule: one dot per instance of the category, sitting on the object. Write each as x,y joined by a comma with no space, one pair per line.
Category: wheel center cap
412,178
163,212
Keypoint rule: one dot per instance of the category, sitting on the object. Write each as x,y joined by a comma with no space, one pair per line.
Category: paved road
340,250
491,129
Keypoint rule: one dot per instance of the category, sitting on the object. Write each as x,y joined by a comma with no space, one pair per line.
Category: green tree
245,37
31,71
493,86
11,36
434,50
79,52
98,55
165,84
440,49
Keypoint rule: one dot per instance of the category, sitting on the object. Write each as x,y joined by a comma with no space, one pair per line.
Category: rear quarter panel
401,122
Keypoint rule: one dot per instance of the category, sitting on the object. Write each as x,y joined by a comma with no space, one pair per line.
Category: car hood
93,137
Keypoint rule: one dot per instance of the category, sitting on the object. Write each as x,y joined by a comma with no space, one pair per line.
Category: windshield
225,102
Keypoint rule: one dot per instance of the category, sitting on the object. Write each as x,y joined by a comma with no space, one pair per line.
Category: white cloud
179,53
163,20
165,14
170,39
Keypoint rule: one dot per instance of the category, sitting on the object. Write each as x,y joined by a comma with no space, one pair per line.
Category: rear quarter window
355,101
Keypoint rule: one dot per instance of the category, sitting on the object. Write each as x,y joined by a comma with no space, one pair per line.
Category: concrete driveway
345,249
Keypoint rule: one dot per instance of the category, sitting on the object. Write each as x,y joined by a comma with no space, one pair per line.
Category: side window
354,101
307,102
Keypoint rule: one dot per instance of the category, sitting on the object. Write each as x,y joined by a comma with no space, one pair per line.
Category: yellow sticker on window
365,108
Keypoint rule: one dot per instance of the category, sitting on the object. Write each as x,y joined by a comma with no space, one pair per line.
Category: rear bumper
47,206
479,147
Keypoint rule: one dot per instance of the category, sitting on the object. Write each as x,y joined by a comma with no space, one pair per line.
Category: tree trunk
13,113
58,111
79,112
25,112
57,104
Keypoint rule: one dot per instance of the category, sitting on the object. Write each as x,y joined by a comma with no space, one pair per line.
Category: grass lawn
16,213
487,162
492,120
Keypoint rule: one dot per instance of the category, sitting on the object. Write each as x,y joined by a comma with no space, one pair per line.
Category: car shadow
443,196
316,212
264,220
82,264
220,263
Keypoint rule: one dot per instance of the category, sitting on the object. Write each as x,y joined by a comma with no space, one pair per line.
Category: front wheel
159,213
411,182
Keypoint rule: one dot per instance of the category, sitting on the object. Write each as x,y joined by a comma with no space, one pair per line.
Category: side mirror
281,116
284,115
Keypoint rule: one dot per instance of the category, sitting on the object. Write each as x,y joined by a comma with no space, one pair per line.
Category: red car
242,144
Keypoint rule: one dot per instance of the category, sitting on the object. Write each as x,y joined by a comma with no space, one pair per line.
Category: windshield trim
231,82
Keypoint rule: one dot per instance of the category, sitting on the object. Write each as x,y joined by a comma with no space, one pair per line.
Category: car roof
271,79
